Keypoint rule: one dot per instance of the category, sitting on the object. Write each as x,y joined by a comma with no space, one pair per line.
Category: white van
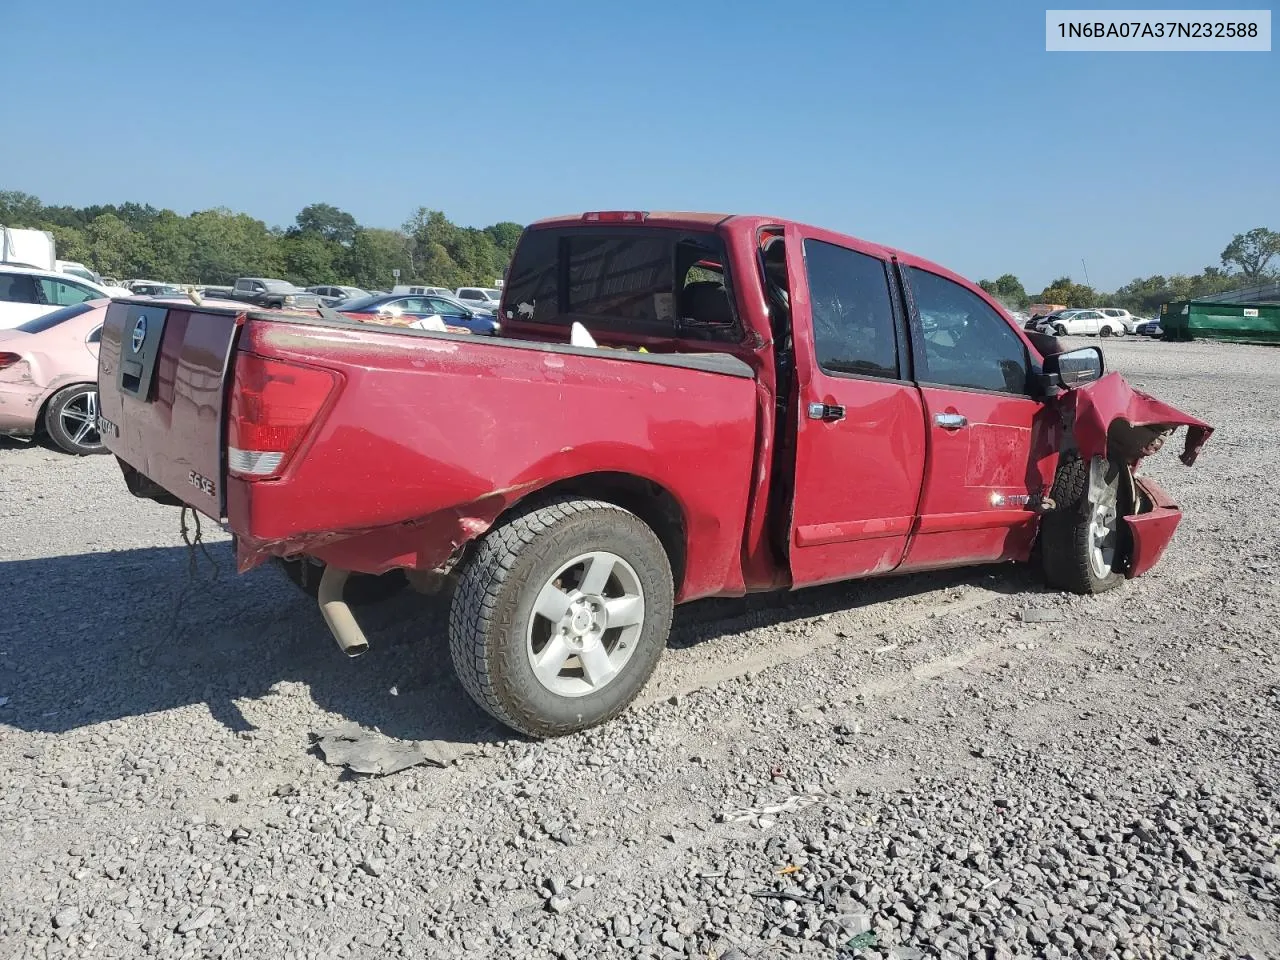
401,290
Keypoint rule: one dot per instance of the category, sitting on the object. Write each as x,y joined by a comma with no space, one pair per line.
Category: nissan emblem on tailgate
139,334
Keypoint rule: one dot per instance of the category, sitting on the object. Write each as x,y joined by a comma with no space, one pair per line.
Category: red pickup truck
765,405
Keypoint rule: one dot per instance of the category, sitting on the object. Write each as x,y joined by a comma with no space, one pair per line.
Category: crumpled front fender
1100,404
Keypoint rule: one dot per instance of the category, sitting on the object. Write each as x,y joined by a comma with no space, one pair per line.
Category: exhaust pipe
336,613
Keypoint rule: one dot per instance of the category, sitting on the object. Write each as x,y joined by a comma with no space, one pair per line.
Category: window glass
966,343
51,319
64,293
631,280
95,336
853,330
411,304
18,288
447,309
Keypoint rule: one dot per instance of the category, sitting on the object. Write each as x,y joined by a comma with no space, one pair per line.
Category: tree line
1245,261
324,245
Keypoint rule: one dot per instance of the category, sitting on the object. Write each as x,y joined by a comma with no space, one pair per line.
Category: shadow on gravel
100,636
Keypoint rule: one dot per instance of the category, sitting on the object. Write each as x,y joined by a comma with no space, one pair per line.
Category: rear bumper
1152,527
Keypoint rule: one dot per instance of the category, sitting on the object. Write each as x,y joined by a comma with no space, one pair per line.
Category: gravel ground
956,765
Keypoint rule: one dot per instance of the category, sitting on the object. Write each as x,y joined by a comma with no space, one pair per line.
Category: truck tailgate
161,389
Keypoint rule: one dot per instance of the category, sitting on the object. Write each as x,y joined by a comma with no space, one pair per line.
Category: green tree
18,209
117,250
328,221
1067,292
309,258
373,254
1008,290
227,245
1252,252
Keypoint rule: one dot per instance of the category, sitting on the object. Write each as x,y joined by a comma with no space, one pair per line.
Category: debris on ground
1042,615
374,754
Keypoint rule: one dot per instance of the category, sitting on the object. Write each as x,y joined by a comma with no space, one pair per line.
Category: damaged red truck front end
1111,419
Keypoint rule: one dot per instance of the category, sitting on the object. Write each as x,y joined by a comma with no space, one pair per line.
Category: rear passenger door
860,444
988,449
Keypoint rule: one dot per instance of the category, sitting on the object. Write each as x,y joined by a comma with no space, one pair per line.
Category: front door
990,443
860,442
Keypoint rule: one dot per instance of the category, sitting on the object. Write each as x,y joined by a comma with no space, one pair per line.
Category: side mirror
1075,368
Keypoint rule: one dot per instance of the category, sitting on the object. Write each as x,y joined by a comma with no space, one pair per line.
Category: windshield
45,321
492,294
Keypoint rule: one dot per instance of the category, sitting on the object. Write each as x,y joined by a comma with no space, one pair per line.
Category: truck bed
428,437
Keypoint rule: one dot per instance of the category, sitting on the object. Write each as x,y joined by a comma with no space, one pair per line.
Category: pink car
49,377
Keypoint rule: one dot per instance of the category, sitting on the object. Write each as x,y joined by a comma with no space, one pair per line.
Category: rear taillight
274,405
9,359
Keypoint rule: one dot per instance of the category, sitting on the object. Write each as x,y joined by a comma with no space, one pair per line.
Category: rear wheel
71,420
1083,546
361,589
560,616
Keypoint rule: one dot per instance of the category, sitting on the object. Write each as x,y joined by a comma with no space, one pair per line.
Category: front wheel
1059,330
71,420
1083,545
560,615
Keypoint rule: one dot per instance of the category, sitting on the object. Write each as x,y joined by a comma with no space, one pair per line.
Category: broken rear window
629,280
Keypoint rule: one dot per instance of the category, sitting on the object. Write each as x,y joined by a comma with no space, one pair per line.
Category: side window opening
853,321
966,342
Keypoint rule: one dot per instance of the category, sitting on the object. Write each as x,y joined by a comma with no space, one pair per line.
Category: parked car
265,292
486,298
49,374
451,311
1126,319
577,492
26,293
1082,323
147,288
216,292
330,295
1150,328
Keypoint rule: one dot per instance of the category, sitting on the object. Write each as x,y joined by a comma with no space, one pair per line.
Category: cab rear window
647,281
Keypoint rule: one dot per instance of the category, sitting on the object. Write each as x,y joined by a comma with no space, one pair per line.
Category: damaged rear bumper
1151,527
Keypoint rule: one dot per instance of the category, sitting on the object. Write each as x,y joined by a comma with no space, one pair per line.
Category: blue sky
941,128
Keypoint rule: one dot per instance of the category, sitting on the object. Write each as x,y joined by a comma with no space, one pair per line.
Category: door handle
829,412
951,421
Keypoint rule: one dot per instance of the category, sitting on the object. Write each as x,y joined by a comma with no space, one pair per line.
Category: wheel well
40,430
649,501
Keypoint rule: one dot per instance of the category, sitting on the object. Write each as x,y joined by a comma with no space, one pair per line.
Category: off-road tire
1070,482
361,590
56,431
1066,535
497,585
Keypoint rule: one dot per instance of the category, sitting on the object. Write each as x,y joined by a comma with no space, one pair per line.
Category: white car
485,298
27,293
1082,323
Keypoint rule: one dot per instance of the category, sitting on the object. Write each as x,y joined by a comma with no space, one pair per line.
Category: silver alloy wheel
1103,535
585,624
79,418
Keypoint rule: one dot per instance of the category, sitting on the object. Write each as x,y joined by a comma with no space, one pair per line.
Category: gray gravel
958,765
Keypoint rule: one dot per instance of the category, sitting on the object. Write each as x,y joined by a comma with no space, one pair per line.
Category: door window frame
919,357
901,340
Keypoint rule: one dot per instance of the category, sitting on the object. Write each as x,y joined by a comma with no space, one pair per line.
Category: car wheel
361,589
1104,331
1084,545
560,615
1059,330
71,420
